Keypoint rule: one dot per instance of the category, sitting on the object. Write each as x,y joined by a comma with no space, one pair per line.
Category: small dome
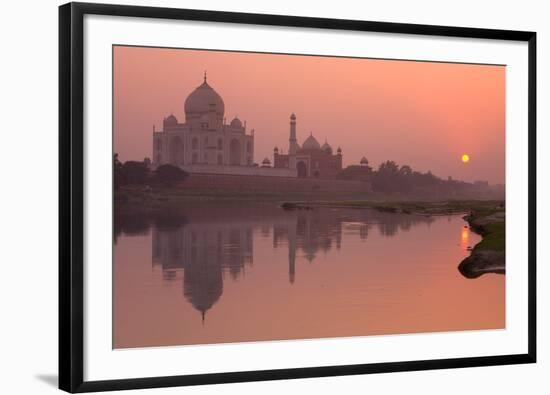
364,161
276,149
236,123
311,143
326,148
266,163
171,120
204,99
339,151
293,116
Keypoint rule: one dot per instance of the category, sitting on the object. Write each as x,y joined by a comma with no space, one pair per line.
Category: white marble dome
171,120
236,123
204,100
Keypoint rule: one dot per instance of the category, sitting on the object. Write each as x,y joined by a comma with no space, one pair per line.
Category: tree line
392,178
389,178
139,173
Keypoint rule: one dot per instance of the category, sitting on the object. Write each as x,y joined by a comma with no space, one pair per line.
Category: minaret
292,144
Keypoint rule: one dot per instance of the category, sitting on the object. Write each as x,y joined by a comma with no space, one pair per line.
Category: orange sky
422,114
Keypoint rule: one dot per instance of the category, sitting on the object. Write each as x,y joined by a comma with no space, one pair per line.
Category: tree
135,173
387,177
169,174
405,170
388,167
117,172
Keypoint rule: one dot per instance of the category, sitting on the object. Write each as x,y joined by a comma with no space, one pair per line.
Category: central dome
204,100
311,143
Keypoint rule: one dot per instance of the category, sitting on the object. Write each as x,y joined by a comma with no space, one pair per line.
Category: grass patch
494,237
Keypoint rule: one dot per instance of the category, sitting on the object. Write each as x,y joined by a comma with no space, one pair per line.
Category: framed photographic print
257,197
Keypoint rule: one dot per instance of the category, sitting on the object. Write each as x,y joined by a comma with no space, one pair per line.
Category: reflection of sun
465,158
464,238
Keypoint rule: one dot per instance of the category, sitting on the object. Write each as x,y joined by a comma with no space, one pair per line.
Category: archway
176,151
235,152
302,169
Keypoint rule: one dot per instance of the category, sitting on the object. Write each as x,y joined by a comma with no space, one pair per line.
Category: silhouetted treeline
139,173
391,178
135,223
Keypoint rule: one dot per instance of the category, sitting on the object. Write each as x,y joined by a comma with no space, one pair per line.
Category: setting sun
465,158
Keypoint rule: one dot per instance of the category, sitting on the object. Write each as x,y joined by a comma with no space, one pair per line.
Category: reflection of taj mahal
213,242
206,143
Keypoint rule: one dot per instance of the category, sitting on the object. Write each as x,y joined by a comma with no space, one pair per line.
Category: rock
481,262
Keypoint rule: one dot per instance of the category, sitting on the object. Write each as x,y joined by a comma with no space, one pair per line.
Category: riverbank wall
227,184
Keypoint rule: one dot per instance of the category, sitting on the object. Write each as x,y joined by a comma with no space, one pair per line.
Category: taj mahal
206,143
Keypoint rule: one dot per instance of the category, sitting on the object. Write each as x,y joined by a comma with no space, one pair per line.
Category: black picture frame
71,197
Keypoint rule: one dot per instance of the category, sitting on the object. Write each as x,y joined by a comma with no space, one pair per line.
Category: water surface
216,273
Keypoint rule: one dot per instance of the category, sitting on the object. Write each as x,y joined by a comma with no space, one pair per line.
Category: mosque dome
364,161
236,123
293,116
203,100
327,148
171,120
311,143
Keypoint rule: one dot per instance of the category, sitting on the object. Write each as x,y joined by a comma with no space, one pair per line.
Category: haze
423,114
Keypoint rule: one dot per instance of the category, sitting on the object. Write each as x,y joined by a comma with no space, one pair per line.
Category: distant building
266,163
482,184
309,160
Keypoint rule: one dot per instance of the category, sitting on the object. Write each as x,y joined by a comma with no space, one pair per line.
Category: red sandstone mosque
206,143
311,159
